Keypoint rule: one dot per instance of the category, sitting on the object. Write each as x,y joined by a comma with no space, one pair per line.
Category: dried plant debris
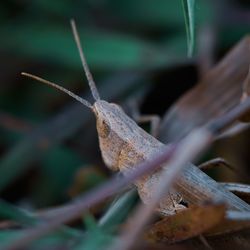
241,190
216,163
234,130
218,91
234,221
245,94
208,220
186,224
246,86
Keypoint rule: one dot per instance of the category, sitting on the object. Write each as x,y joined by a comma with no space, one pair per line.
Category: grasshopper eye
103,128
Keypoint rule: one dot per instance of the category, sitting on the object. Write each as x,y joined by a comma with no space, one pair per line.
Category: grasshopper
124,145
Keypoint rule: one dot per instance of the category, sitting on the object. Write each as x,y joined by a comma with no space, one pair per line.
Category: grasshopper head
112,129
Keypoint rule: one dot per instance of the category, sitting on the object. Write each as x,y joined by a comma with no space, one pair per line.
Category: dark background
135,49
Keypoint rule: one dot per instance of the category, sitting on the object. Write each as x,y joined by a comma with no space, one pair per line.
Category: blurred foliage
189,10
129,46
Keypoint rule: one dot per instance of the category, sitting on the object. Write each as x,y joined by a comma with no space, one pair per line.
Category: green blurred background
135,49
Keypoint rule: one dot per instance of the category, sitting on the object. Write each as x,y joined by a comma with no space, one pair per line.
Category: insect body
124,144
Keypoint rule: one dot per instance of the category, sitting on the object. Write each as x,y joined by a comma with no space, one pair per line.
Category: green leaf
59,165
90,222
147,14
118,210
188,10
95,239
8,211
104,50
26,218
52,241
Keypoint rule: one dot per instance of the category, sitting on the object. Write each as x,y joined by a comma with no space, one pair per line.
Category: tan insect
124,144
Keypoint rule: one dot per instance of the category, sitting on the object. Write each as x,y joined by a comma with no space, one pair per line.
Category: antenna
54,85
88,74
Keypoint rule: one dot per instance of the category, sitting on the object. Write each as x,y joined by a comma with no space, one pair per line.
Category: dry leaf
238,240
187,223
219,91
233,222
